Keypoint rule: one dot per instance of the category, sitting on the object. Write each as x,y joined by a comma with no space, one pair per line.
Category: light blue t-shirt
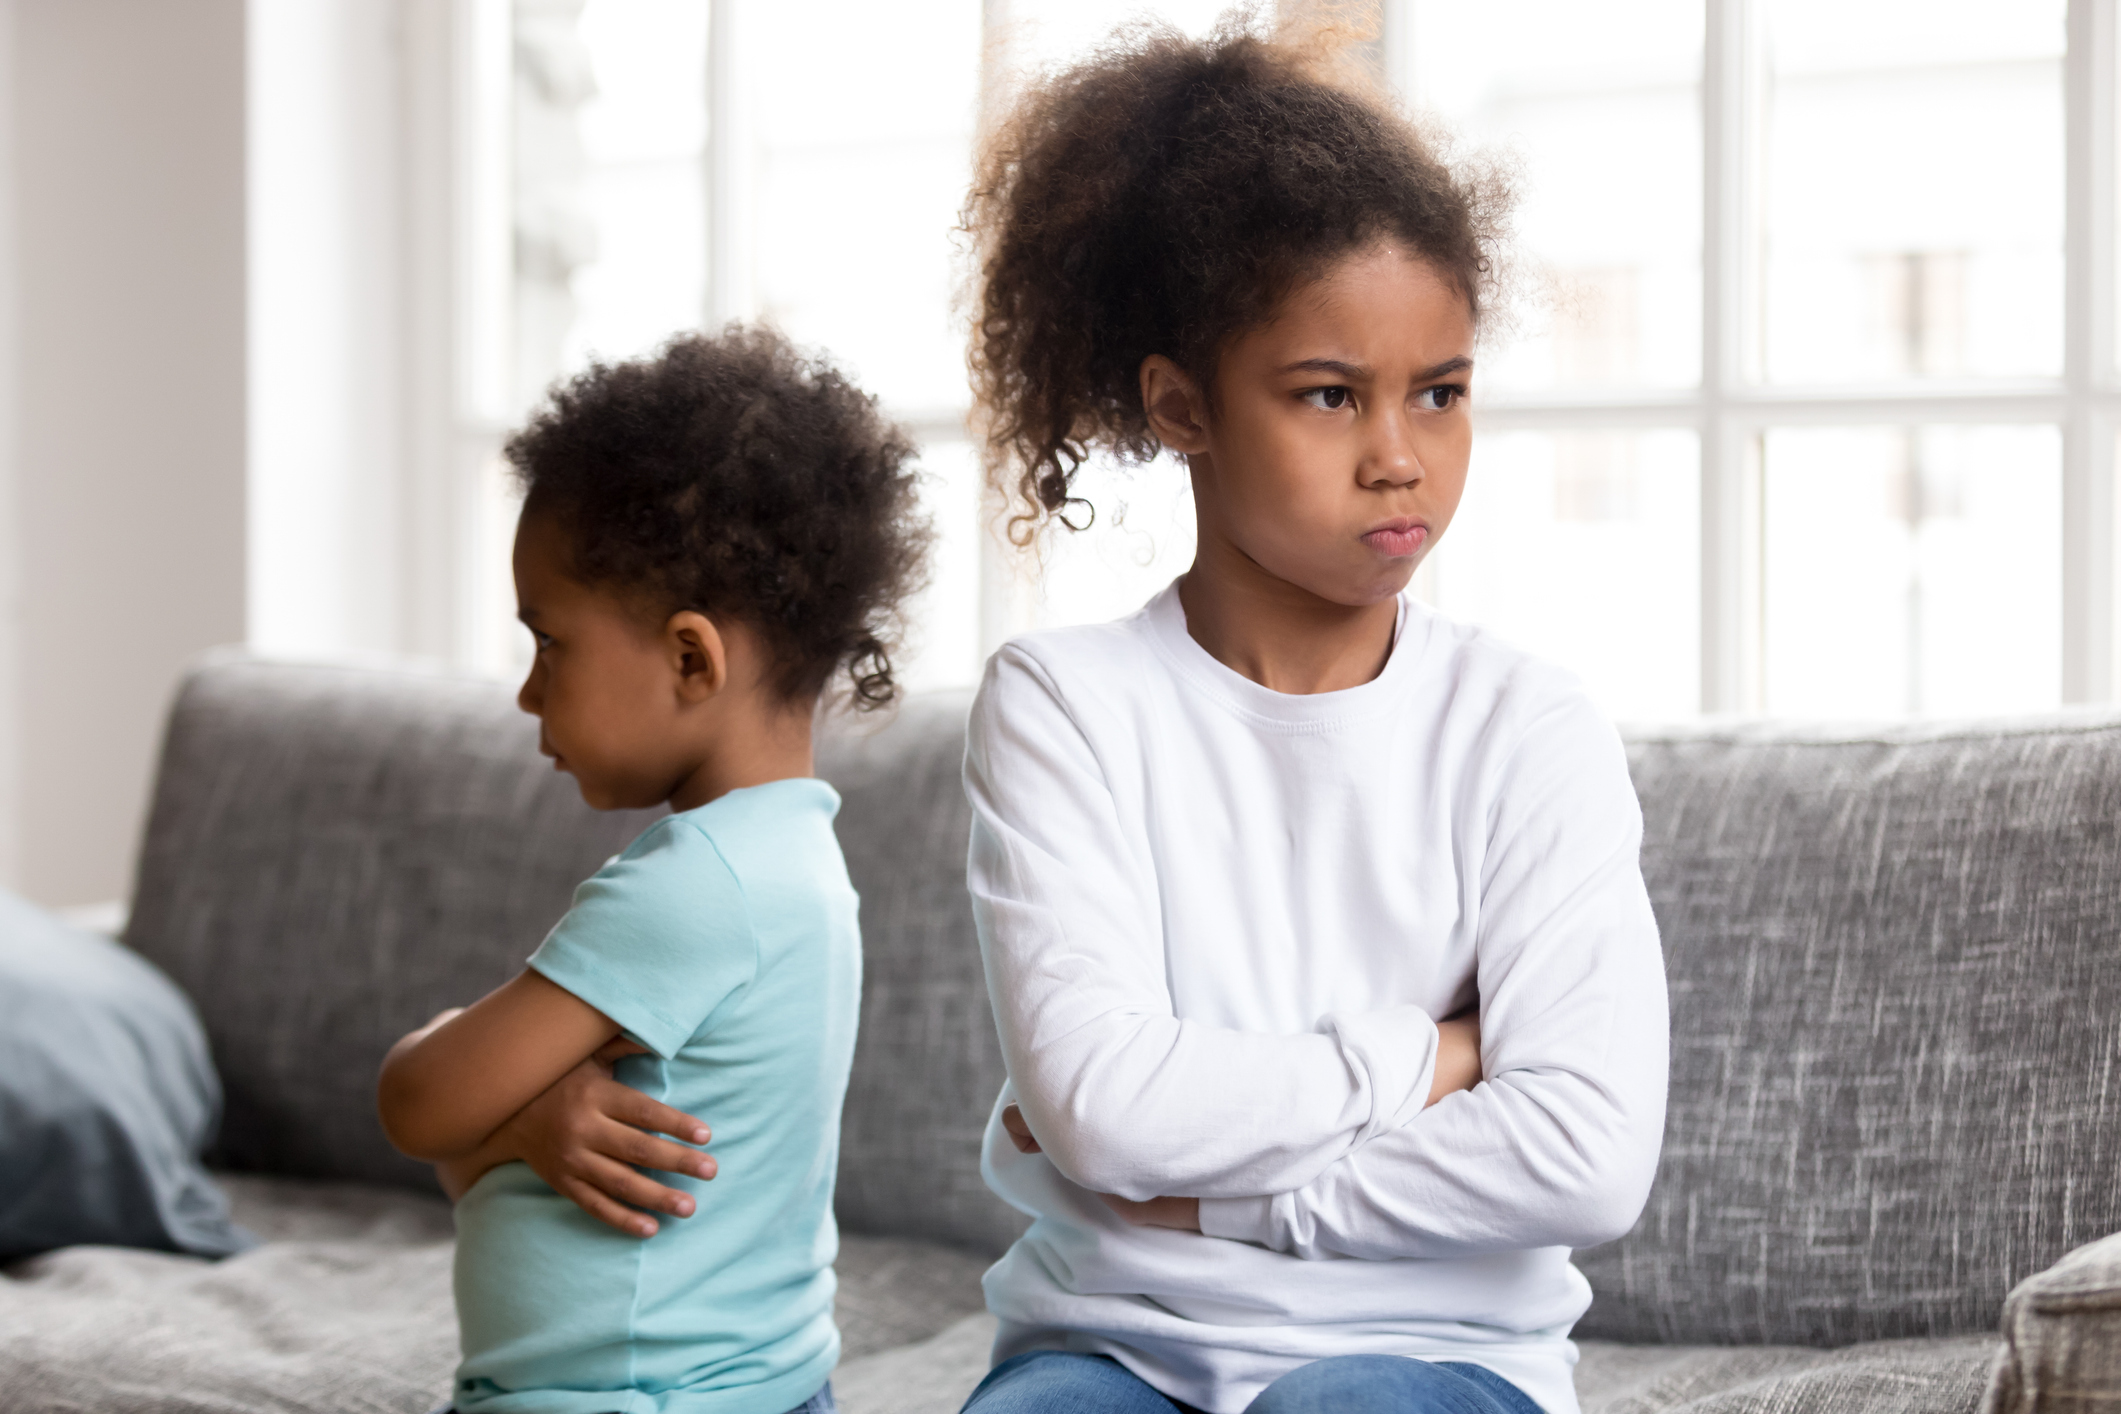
724,939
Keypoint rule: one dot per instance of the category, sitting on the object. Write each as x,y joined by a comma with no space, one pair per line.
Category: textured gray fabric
347,1310
346,1307
930,1377
332,857
927,1063
1896,1028
2062,1338
106,1097
1879,1377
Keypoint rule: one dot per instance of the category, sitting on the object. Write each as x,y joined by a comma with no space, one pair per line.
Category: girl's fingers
630,1145
626,1185
1019,1132
641,1112
586,1197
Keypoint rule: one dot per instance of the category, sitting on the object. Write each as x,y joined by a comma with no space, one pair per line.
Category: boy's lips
1397,538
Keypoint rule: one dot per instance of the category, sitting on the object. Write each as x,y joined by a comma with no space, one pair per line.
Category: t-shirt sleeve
657,939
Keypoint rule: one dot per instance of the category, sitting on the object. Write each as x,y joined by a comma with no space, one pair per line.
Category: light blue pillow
107,1098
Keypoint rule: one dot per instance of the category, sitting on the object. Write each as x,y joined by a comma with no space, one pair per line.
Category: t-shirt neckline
1286,711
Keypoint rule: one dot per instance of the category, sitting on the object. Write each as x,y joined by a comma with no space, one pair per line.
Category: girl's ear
698,655
1177,412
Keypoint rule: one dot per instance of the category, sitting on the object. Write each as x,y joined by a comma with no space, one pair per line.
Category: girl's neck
1280,636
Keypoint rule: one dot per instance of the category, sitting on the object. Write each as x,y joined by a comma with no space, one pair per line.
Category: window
1816,395
1809,410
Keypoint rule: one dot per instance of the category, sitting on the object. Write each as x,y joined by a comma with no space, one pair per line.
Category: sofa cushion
107,1096
1895,976
2062,1338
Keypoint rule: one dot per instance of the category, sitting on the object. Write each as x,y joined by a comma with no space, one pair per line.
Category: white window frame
1730,409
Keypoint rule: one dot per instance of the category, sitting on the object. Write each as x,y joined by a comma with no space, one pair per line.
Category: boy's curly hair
735,475
1164,196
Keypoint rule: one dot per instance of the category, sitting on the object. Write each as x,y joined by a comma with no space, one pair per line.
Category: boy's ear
698,655
1178,415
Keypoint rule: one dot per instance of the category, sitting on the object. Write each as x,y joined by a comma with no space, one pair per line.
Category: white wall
326,255
123,462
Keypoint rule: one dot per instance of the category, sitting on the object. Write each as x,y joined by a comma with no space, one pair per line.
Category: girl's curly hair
737,476
1164,196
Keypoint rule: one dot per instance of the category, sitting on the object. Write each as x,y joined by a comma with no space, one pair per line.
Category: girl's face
1335,453
602,683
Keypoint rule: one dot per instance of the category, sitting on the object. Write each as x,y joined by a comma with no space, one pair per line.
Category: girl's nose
1390,459
531,696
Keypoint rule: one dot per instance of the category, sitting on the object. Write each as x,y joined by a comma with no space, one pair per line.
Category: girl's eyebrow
1358,373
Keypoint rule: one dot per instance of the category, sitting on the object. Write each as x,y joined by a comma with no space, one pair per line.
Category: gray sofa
1896,1085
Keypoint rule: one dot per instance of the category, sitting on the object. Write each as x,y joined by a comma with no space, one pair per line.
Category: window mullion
1728,514
2088,625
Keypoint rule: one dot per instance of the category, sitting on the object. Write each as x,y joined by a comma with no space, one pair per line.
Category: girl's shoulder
1485,671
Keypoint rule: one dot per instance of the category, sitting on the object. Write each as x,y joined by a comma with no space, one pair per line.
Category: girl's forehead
1381,300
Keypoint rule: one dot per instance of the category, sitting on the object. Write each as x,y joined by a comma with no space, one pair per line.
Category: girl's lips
1398,538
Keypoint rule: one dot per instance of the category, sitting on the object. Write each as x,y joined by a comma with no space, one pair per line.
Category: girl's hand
585,1135
1180,1213
1457,1056
1019,1132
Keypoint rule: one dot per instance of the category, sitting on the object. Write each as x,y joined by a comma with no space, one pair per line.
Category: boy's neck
753,748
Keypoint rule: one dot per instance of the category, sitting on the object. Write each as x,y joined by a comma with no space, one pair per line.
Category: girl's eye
1441,398
543,640
1327,399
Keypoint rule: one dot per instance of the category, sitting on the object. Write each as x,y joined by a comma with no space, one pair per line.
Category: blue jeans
1056,1382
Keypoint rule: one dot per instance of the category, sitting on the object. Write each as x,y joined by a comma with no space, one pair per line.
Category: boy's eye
1327,399
543,640
1441,398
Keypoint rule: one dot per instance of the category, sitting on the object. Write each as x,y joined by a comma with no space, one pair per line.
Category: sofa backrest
334,855
1895,970
1893,958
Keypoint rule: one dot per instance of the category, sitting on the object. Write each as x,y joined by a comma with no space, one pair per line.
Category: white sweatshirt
1219,923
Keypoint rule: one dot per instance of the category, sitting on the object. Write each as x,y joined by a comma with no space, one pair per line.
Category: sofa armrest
2062,1338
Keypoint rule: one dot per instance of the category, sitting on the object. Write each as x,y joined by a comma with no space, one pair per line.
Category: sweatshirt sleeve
1123,1096
1558,1144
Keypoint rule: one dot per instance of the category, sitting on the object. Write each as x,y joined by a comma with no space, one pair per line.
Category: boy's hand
585,1135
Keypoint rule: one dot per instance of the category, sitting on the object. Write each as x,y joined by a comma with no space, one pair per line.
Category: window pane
1913,570
864,118
1584,547
1601,103
1913,189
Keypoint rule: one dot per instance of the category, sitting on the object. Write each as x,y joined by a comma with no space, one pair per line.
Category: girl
1233,857
707,539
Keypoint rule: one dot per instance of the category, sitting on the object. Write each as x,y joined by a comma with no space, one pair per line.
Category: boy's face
606,686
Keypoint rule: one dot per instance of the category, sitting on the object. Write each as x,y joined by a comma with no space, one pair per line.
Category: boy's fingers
618,1048
589,1200
628,1186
